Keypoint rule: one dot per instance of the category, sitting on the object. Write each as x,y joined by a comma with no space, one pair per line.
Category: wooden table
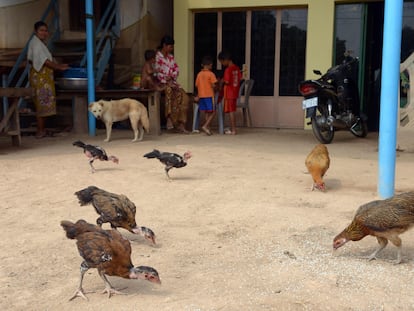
10,123
80,105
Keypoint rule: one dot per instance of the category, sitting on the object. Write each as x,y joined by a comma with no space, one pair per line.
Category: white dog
119,110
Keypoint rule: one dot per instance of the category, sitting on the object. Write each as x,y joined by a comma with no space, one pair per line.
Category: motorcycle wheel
360,128
324,134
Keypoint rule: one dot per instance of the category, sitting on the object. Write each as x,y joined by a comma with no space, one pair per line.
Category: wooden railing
108,32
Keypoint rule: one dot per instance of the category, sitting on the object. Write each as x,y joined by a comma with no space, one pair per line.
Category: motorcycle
332,101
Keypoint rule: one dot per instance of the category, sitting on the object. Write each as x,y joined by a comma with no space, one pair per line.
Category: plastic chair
243,101
196,116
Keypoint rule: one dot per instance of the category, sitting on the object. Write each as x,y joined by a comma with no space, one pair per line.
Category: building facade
280,42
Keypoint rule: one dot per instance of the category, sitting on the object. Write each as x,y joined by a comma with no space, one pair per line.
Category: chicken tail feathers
79,144
85,196
155,154
73,230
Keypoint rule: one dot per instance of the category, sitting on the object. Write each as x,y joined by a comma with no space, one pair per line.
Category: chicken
116,209
107,251
95,153
317,163
169,159
384,219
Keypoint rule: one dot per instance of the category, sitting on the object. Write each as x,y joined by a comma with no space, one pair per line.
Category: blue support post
90,42
390,79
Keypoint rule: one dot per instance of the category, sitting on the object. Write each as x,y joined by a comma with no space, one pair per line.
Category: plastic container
136,82
75,72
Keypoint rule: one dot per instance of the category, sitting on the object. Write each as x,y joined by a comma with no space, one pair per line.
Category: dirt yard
237,229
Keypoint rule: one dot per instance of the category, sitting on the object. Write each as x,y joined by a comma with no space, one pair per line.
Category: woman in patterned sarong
176,103
41,76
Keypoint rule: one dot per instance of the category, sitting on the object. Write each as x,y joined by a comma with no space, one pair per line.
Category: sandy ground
237,229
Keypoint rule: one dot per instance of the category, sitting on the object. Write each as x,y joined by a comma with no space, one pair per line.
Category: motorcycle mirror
317,72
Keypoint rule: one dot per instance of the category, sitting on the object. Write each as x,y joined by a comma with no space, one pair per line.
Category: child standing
231,81
147,75
205,83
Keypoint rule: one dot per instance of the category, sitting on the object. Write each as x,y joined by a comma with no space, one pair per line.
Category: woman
41,76
167,72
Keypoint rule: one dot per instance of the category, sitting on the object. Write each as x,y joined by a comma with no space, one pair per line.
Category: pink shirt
166,67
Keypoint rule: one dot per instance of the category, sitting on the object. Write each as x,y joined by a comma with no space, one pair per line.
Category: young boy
147,75
231,81
205,83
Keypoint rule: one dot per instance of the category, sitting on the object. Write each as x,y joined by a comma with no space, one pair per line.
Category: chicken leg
382,243
79,292
397,242
91,164
108,287
167,169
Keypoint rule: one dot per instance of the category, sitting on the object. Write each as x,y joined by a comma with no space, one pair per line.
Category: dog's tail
145,121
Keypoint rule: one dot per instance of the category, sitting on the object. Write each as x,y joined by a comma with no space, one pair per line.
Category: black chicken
107,251
116,209
95,153
169,159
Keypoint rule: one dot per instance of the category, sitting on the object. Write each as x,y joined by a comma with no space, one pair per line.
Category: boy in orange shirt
205,83
231,80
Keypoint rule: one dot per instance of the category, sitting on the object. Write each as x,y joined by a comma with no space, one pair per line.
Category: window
234,36
292,51
407,43
262,58
205,40
348,25
258,29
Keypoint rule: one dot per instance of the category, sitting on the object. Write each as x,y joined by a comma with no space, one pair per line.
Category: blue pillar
90,43
390,83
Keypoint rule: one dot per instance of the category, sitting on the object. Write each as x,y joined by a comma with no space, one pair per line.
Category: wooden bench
10,122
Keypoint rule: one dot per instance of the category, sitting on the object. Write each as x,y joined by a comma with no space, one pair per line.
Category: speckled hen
108,252
115,209
384,219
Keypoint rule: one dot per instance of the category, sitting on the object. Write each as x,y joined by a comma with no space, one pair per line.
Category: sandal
181,129
206,130
170,126
41,135
228,132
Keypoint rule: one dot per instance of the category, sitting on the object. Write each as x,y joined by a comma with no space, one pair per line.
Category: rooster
169,159
384,219
116,209
317,163
95,153
107,251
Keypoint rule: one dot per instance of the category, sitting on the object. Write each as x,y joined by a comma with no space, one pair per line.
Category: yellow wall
319,35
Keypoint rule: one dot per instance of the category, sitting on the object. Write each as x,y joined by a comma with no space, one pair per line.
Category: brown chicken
107,251
116,209
317,163
384,219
